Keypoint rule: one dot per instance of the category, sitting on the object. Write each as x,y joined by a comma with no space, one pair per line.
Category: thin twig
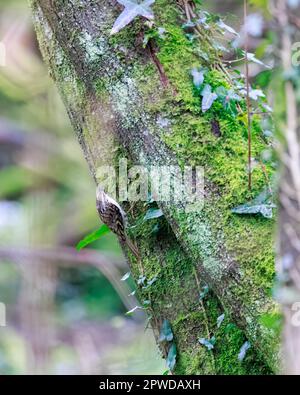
69,257
248,99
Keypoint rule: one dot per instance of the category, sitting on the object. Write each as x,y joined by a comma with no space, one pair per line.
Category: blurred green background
65,311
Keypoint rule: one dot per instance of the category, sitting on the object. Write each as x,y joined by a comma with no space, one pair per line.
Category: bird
112,215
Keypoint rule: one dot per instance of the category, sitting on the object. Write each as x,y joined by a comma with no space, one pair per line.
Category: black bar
128,384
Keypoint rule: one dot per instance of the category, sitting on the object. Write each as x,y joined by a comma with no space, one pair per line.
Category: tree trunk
129,100
289,193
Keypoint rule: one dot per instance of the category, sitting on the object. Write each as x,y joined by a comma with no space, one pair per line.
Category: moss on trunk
116,98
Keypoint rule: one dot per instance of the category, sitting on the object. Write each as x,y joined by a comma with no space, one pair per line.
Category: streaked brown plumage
112,215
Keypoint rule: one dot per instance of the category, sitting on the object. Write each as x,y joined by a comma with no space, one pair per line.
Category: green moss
223,359
190,319
248,239
224,158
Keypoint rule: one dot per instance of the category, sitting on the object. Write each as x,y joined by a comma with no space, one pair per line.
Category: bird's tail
133,248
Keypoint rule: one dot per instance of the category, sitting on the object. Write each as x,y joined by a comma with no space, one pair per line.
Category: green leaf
166,333
229,29
208,97
262,204
204,292
220,319
230,327
126,276
266,210
171,358
90,238
208,343
251,57
243,351
153,213
221,91
131,11
198,76
130,312
152,281
272,321
256,93
141,280
264,78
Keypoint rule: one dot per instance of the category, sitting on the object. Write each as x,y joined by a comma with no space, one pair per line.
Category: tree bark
125,100
289,193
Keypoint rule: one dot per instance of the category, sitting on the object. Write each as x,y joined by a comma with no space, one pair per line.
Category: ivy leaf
198,76
90,238
153,213
229,29
203,18
161,32
262,204
220,319
266,210
251,57
208,343
204,292
152,281
130,312
126,276
227,95
141,280
229,327
267,107
256,93
171,358
221,91
166,333
268,133
228,99
272,321
230,107
243,351
231,95
131,11
208,97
